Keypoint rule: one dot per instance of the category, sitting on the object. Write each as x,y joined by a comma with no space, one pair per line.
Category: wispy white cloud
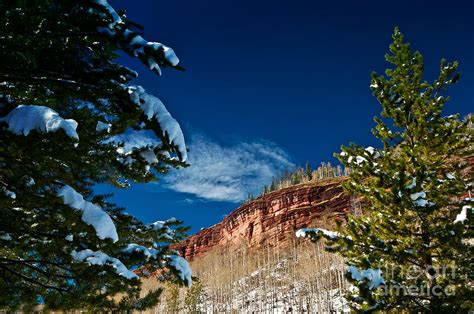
228,172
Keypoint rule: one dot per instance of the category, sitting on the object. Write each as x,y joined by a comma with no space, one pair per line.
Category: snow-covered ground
300,283
272,290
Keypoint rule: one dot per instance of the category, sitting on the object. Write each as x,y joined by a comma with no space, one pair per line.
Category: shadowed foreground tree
71,119
412,247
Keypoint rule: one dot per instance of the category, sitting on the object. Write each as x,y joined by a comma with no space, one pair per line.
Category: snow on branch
6,237
419,199
153,54
309,232
162,226
174,261
91,214
132,140
8,193
144,141
102,126
373,276
154,108
25,118
183,268
159,224
133,247
100,258
106,6
462,216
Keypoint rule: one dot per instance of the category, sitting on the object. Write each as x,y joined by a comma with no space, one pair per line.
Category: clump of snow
358,160
154,108
374,85
422,202
91,214
182,266
30,182
134,140
161,225
102,126
417,195
419,199
69,237
136,44
462,216
6,237
8,193
373,152
450,176
373,276
115,17
23,119
100,258
133,247
412,184
305,232
149,156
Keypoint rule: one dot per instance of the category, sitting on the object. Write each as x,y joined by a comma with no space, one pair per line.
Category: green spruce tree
69,119
308,172
412,247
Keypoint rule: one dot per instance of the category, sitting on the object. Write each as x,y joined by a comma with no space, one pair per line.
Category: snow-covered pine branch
91,214
152,54
25,118
101,259
153,108
315,233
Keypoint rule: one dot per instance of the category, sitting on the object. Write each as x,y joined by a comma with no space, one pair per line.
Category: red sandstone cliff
273,218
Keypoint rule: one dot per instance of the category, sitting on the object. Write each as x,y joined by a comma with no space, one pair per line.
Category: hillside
252,261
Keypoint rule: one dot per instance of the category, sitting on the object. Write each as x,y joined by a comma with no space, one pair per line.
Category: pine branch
37,261
61,80
33,281
42,271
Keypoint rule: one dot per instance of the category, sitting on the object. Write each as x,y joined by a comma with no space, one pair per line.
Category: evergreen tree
308,172
273,184
70,119
412,247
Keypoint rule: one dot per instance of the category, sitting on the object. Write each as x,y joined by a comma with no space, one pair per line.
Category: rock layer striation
272,219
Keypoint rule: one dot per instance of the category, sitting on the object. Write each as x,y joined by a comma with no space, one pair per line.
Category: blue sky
271,84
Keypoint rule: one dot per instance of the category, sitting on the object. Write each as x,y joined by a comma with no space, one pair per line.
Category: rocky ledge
271,220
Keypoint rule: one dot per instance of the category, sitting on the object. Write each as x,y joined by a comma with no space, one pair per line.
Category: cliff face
272,219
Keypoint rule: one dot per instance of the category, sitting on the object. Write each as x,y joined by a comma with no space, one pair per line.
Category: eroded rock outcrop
272,219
